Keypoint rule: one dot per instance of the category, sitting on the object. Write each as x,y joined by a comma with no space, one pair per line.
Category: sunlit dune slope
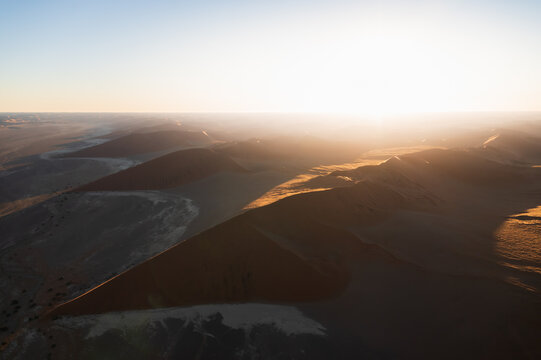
308,180
519,240
167,171
141,143
453,165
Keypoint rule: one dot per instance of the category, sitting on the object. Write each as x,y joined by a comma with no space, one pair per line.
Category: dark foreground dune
167,171
142,143
282,252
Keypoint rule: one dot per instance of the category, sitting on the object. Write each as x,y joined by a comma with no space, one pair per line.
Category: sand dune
310,237
291,148
403,252
417,240
167,171
141,143
296,249
231,263
514,145
462,166
465,166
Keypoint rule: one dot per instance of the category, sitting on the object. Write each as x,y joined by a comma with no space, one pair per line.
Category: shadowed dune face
166,172
297,249
141,143
307,149
233,262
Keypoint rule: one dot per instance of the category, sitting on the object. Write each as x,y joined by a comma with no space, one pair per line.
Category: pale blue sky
344,56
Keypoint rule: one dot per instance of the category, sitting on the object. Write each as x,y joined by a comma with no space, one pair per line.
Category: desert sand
396,252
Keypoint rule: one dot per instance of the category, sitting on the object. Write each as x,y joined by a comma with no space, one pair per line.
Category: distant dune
291,148
435,166
167,171
515,145
29,138
251,149
142,143
453,165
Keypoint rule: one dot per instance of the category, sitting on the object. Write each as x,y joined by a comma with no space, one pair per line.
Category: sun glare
367,65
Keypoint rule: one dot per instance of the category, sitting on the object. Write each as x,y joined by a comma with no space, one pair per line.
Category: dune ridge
297,249
305,247
166,172
516,146
145,142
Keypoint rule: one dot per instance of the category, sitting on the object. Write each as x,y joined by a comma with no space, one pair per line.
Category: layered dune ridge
145,142
435,167
288,148
296,249
514,145
453,165
166,172
305,247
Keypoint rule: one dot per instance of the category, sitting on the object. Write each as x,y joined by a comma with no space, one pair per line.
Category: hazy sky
313,56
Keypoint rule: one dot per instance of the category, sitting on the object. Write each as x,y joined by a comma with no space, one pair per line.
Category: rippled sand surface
519,240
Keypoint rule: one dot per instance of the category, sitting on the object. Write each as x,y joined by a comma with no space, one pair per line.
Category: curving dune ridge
297,249
301,248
